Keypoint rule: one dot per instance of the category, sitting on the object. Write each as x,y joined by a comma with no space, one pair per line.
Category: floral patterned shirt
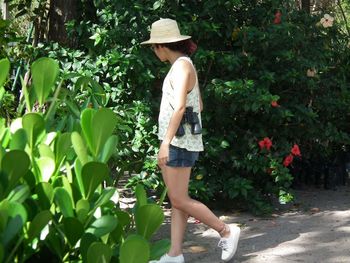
189,141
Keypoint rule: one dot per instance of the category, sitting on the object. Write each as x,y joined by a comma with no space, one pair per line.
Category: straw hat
165,30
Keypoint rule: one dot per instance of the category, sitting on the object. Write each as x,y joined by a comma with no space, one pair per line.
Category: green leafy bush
52,202
265,86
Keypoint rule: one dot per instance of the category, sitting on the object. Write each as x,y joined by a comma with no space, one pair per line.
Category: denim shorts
179,157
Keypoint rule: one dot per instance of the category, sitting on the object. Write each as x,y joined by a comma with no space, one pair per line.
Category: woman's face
159,51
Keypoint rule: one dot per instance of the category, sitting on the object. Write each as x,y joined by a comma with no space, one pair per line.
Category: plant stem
162,197
14,249
26,97
53,103
65,257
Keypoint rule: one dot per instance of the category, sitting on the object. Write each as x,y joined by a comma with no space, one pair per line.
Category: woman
181,139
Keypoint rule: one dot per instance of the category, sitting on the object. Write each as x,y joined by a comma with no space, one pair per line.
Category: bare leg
178,225
177,179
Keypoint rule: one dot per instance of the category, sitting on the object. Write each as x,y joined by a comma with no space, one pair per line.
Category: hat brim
164,40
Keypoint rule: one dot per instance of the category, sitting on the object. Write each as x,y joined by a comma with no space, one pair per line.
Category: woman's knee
178,202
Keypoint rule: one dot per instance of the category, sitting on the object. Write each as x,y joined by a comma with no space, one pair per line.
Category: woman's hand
163,154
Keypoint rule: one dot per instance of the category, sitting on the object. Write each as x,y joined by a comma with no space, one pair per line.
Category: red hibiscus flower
295,150
262,144
265,143
274,104
277,19
288,160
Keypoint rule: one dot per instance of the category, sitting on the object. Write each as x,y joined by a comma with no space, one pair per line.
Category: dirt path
315,229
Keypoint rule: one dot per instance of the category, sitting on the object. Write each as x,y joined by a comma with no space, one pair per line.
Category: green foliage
286,79
261,63
51,195
5,65
127,251
44,74
8,36
5,98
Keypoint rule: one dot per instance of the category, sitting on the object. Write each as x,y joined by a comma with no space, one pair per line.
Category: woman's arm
181,79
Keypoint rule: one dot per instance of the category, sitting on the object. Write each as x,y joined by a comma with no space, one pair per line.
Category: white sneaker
168,259
229,244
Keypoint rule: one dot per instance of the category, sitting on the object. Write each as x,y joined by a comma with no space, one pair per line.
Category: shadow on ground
316,228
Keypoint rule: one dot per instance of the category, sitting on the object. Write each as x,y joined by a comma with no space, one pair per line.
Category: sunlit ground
316,228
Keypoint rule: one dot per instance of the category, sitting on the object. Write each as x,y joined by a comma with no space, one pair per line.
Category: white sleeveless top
189,141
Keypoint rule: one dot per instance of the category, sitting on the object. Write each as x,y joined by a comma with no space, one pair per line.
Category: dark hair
186,46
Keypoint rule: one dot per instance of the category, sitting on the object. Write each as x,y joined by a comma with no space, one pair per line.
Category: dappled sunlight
302,234
344,229
299,236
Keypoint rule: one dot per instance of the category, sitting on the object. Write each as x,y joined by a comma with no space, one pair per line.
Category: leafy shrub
52,202
264,89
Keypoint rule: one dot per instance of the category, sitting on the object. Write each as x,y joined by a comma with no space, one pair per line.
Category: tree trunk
5,11
305,5
61,11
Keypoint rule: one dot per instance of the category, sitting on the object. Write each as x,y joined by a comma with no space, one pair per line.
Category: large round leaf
55,241
19,194
103,225
45,151
86,125
30,179
19,140
109,148
124,218
73,230
93,174
45,195
66,184
37,225
159,248
4,70
104,122
148,219
97,127
79,147
64,202
99,253
135,249
82,209
86,240
141,195
17,217
47,168
5,137
105,196
77,169
44,73
62,144
14,164
34,125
